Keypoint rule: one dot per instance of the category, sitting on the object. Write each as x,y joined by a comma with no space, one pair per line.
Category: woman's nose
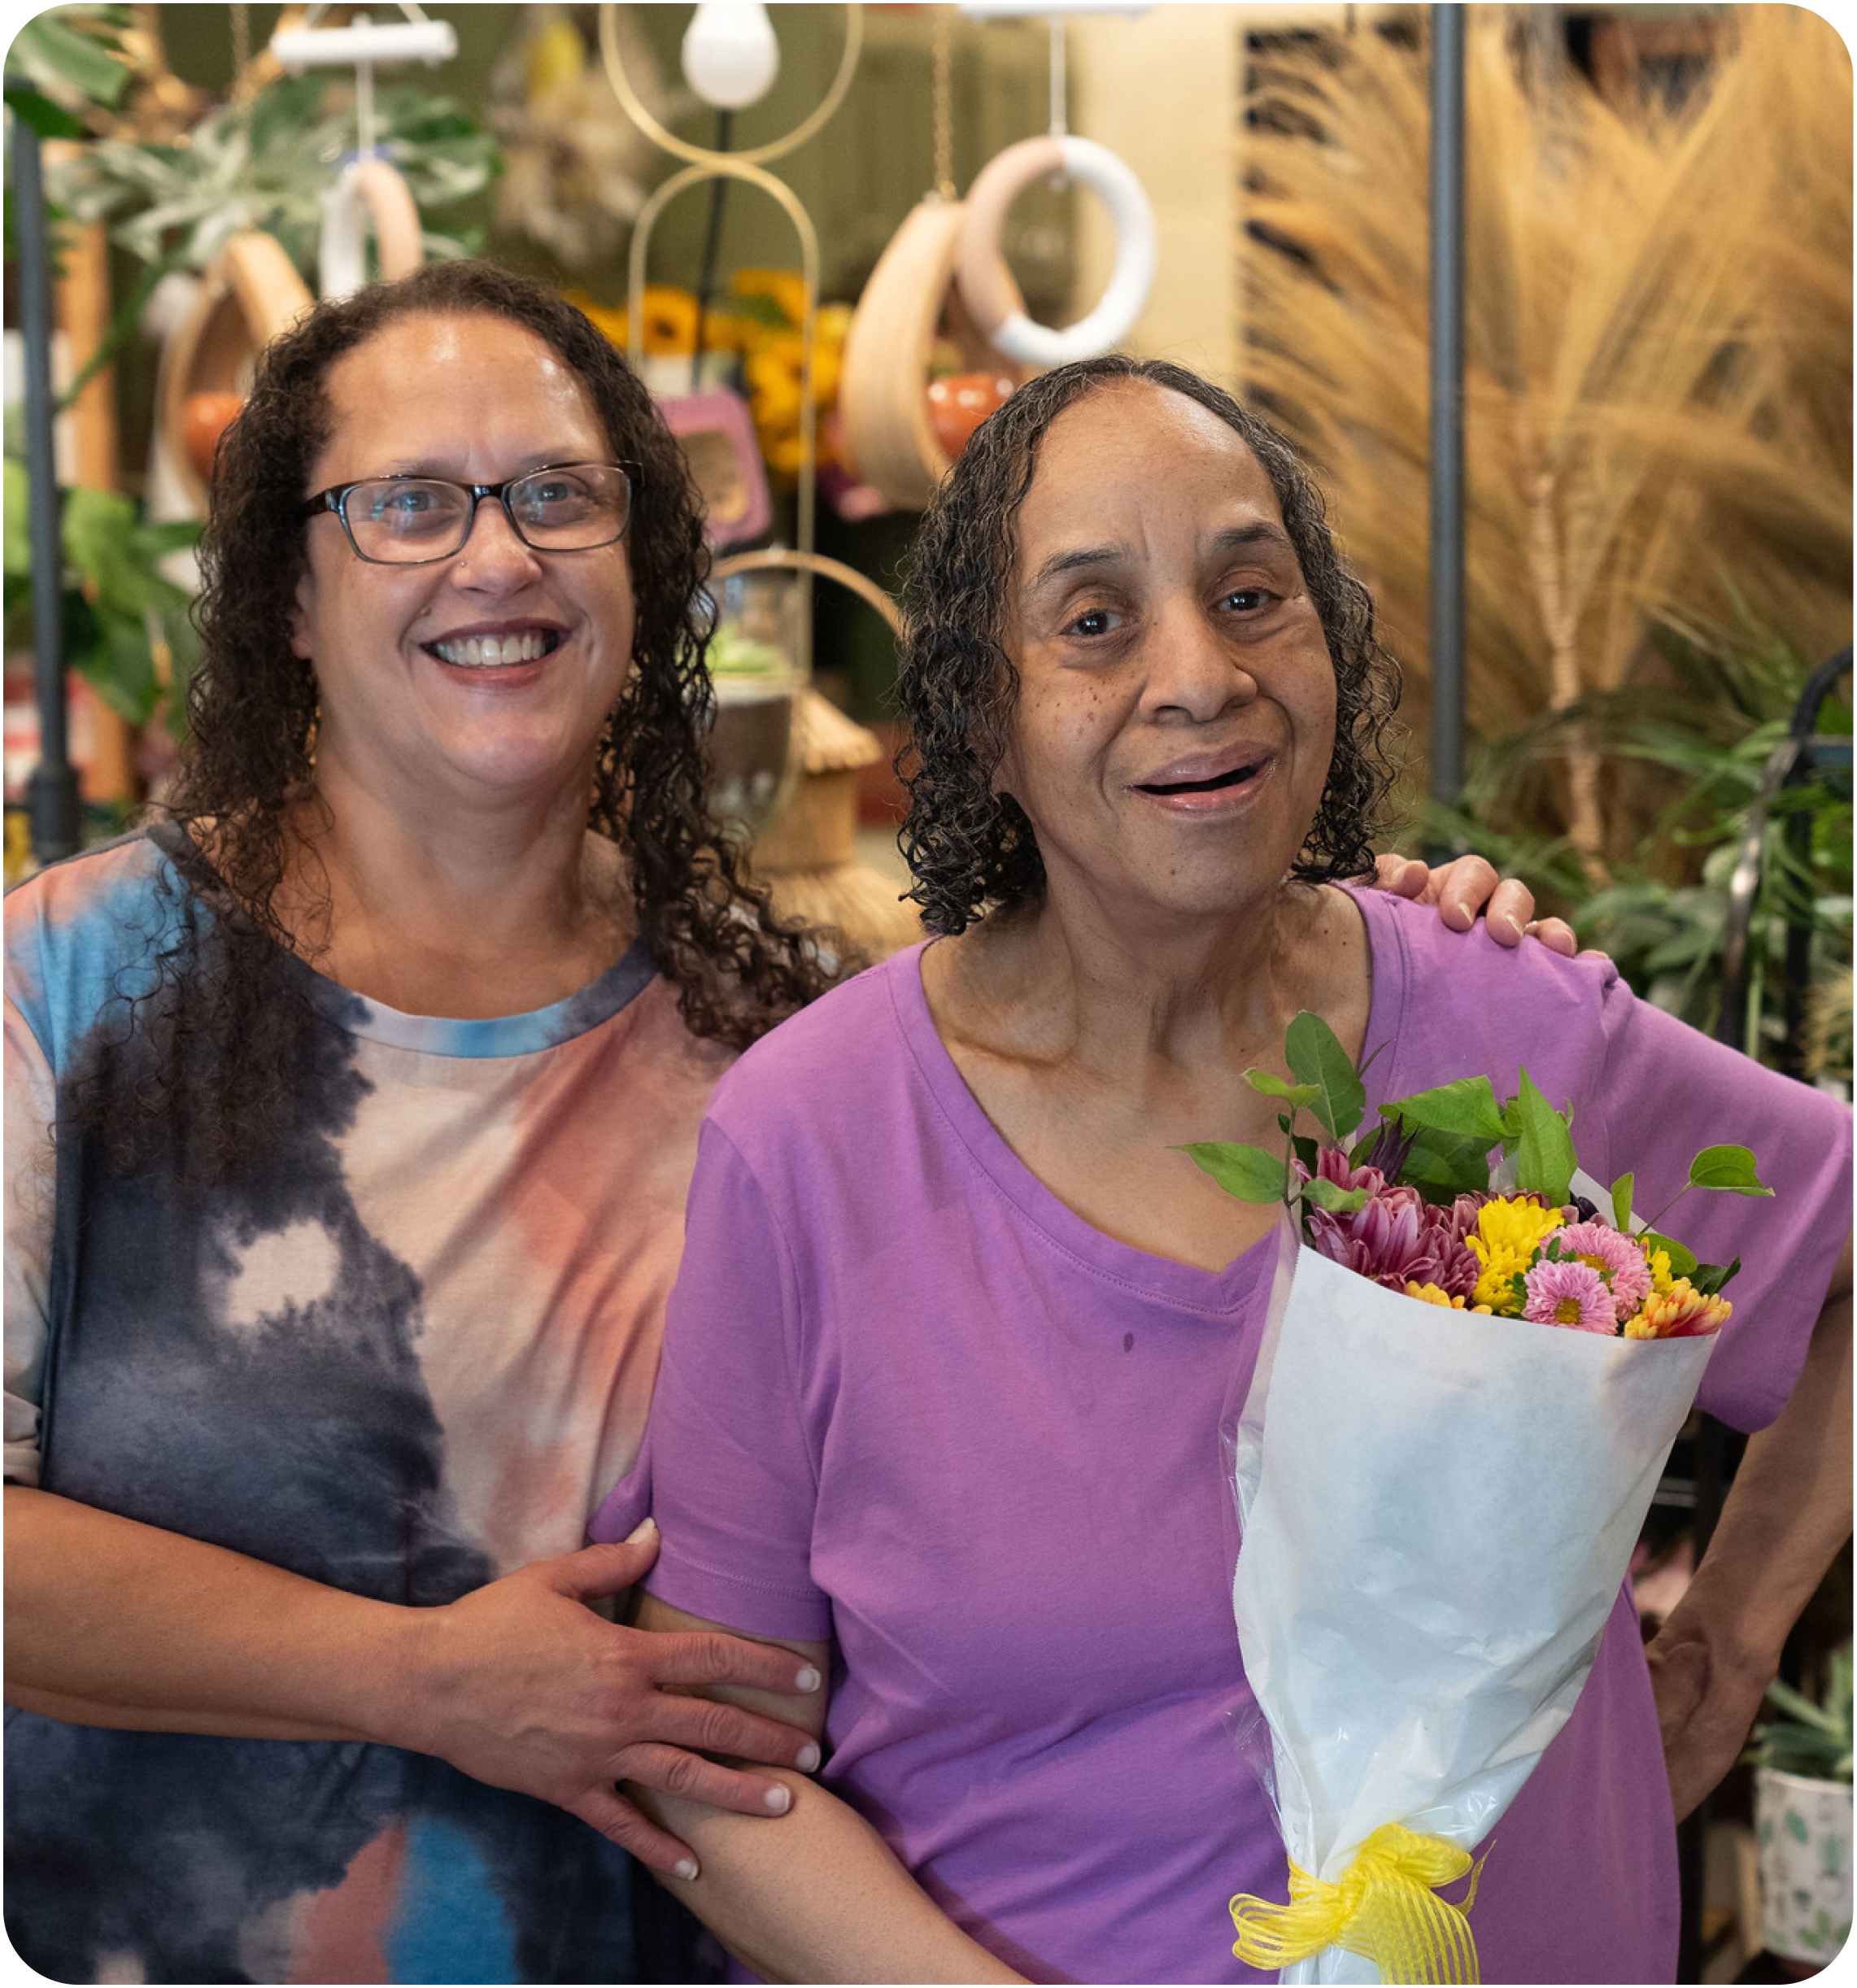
1193,668
494,554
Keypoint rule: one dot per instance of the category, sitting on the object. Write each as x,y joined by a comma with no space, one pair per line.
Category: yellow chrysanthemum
785,289
1660,1277
1504,1242
1682,1312
1433,1295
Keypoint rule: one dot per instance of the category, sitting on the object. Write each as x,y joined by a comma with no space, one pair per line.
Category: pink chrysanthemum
1571,1294
1617,1258
1398,1238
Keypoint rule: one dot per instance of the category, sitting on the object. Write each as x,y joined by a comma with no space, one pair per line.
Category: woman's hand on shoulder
1467,888
520,1684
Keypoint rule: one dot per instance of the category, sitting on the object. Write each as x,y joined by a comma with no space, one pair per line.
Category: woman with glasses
353,1105
352,1110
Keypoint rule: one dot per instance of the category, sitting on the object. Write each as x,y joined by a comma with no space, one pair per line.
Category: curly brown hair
208,1065
971,849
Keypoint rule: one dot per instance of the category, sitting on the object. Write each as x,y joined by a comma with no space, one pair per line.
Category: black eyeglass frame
336,498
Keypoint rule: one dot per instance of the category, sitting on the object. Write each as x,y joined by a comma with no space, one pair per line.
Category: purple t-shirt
910,1401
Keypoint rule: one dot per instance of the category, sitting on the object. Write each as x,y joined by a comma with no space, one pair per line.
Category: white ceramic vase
1803,1828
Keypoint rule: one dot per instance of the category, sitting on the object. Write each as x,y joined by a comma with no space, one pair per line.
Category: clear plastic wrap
1436,1511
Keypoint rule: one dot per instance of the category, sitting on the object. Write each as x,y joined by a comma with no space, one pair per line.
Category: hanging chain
944,102
241,45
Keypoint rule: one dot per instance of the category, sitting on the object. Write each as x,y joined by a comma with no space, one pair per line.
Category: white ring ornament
369,192
985,281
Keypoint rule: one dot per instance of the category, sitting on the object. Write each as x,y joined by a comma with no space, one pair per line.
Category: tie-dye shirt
404,1357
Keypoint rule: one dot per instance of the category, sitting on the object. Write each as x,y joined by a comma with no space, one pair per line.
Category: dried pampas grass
1659,333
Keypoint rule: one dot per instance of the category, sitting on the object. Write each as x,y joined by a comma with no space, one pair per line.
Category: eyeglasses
413,521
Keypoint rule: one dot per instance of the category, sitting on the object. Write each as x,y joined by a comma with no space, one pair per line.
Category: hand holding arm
519,1683
1785,1516
820,1898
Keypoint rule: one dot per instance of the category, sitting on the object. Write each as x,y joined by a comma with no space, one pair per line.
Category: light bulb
730,57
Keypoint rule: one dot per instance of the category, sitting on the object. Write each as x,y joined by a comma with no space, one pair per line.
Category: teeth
490,652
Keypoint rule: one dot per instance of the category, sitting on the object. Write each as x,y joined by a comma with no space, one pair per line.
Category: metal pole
1447,549
52,808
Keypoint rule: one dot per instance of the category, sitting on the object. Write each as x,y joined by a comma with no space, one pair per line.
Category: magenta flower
1398,1238
1617,1258
1572,1294
1332,1164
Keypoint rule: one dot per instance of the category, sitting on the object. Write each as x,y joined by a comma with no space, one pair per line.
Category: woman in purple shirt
955,1325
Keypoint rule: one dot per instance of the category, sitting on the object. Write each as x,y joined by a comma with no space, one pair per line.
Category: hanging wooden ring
251,295
986,282
883,400
369,192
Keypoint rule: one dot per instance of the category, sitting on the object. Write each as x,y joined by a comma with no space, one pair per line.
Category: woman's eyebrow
443,467
1262,532
1080,559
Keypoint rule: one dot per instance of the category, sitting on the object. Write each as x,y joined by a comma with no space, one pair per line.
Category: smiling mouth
497,652
1236,778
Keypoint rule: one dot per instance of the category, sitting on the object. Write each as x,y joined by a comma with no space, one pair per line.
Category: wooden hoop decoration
985,281
781,558
369,192
883,381
249,295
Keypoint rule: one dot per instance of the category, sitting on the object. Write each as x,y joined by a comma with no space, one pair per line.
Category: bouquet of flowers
1467,1386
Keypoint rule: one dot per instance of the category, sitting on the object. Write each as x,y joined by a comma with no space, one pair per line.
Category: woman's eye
403,501
1093,621
1248,599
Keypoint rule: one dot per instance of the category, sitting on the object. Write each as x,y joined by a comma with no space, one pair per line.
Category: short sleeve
728,1471
31,1178
1668,1092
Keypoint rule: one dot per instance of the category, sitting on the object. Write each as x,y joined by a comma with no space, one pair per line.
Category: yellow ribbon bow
1384,1906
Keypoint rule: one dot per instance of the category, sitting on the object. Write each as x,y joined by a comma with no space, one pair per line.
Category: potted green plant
1802,1815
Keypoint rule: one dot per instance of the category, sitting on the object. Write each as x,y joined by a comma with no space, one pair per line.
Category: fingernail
643,1530
686,1870
807,1681
809,1757
779,1800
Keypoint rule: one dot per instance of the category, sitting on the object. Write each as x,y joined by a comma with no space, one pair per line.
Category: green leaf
1622,1202
1249,1172
98,525
38,113
1682,1262
1796,1705
1316,1057
171,535
122,671
1337,1201
1466,1107
1709,1277
18,535
1544,1154
1441,1162
52,50
1294,1095
1729,1169
1304,1150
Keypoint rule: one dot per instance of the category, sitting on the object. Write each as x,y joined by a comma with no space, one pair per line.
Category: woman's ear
298,621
